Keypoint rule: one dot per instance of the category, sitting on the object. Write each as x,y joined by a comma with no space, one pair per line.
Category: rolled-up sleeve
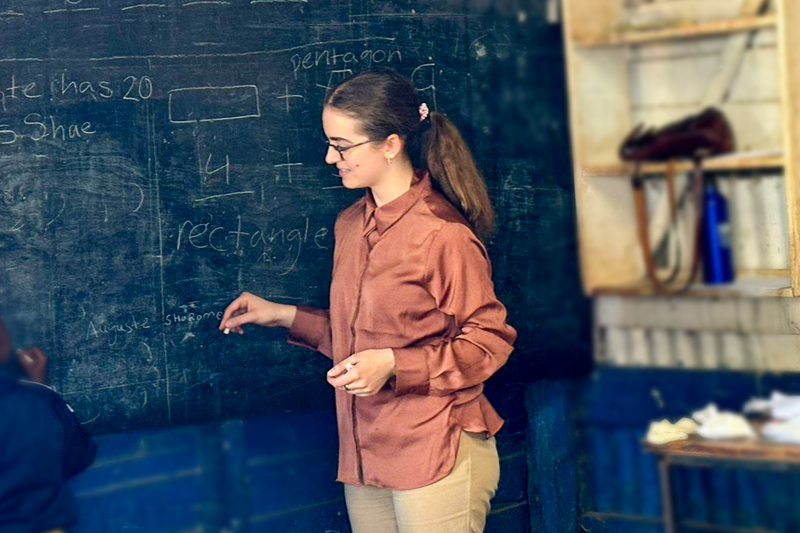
311,329
458,276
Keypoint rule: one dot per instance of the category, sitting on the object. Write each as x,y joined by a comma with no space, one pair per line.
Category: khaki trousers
458,503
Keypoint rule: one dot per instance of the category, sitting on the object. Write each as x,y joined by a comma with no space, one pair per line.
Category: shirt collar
387,214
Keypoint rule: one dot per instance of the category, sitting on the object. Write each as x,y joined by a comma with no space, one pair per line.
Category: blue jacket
41,446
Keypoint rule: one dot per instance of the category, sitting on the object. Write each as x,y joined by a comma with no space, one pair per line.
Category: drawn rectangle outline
183,89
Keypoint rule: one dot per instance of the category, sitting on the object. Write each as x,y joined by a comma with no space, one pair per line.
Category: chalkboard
158,158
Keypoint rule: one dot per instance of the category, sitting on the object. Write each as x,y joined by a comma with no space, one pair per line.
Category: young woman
414,327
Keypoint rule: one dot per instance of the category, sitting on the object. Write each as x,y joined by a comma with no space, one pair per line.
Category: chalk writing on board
25,90
281,247
336,77
204,2
75,10
65,87
188,105
191,314
64,206
142,6
39,127
328,57
131,88
288,166
112,330
138,89
141,197
278,1
34,208
207,172
287,97
224,195
424,79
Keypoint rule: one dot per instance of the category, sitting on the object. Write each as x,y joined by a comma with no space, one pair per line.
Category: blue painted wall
570,451
571,462
260,475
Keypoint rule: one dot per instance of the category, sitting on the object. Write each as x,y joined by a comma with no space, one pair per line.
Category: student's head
381,109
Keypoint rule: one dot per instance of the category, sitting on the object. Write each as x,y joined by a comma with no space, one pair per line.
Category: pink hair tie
423,111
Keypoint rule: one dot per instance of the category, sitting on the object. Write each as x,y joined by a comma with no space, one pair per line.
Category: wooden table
697,451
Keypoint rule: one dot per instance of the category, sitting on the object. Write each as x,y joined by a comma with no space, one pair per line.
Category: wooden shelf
742,287
682,31
614,83
725,163
721,163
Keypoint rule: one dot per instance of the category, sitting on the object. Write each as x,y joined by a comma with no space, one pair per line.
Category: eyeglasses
343,149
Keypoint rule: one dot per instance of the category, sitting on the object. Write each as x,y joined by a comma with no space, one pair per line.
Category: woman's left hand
369,372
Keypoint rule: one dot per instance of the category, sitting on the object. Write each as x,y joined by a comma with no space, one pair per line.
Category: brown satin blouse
411,276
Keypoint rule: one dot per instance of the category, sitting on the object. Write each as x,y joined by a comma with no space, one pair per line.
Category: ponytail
452,167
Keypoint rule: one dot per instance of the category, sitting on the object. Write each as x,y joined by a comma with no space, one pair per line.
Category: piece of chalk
227,331
25,356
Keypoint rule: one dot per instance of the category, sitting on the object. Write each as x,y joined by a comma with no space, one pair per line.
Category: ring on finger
347,387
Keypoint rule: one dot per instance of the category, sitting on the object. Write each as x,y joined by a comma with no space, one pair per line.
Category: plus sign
288,96
289,165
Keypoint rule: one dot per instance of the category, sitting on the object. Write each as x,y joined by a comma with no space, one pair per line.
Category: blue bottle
716,250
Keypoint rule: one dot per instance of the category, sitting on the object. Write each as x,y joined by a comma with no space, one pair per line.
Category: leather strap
673,214
644,233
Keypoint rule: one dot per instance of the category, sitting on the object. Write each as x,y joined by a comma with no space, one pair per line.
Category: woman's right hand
250,309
